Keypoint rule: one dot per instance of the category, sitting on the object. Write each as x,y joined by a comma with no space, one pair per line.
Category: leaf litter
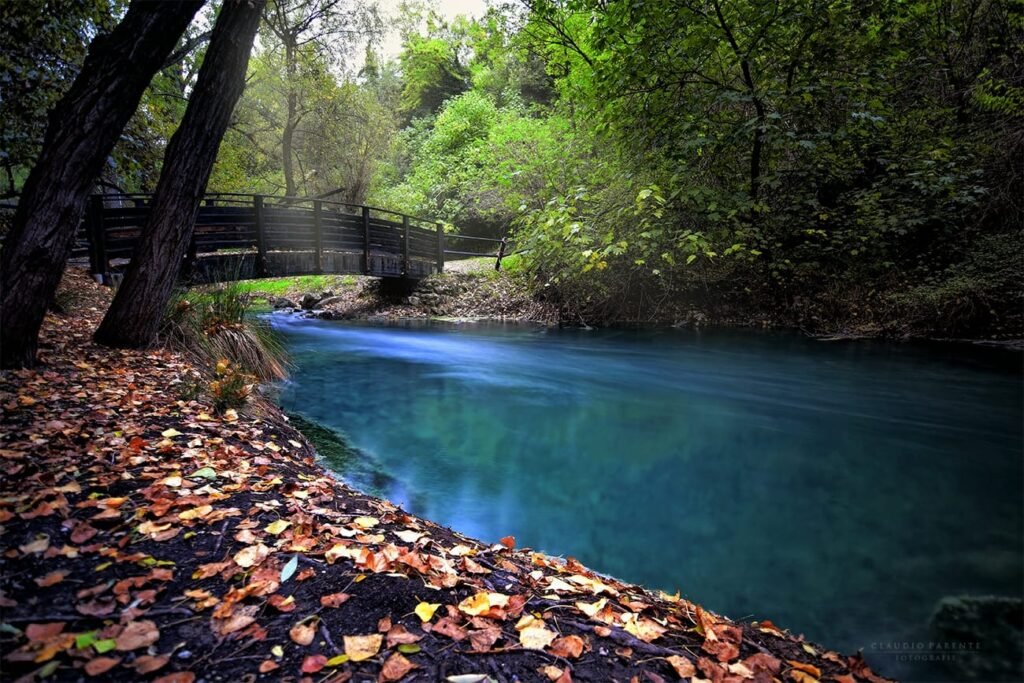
145,537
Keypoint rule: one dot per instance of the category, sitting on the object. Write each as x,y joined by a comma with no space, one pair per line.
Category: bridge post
501,253
97,237
318,235
440,247
405,246
261,237
366,240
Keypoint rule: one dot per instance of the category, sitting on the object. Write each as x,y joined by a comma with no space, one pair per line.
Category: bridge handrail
278,198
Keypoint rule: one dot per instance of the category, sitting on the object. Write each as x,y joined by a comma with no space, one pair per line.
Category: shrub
210,325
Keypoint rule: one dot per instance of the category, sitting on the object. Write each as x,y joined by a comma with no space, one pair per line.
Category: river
840,489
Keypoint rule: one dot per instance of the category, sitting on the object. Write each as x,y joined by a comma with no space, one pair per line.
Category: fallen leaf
425,610
176,677
482,640
277,527
41,632
684,668
536,637
366,522
447,627
398,635
303,633
169,433
592,608
409,536
99,665
359,648
395,668
508,541
289,568
334,599
282,603
268,665
800,676
478,604
52,578
552,672
569,647
808,668
137,634
150,663
643,628
37,546
313,663
251,556
763,662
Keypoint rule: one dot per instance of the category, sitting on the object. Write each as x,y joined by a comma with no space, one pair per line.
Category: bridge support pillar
397,287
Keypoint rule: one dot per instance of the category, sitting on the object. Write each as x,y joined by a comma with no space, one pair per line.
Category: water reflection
840,490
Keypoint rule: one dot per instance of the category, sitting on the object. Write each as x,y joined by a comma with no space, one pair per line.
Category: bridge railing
269,235
260,235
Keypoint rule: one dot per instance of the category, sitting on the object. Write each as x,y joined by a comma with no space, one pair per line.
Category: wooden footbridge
241,237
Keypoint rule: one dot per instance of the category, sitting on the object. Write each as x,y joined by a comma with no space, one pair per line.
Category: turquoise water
840,489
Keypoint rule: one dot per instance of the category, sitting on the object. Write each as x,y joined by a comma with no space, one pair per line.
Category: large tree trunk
82,130
134,317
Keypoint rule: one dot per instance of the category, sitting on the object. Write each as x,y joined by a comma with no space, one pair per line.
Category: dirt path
146,538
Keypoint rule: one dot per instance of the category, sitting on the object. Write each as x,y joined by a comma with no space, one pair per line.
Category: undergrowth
234,350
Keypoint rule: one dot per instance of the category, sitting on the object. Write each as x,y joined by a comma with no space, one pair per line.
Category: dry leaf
334,599
359,648
536,637
52,578
313,663
303,633
251,556
99,665
483,640
447,627
684,668
569,647
425,610
395,668
149,663
137,634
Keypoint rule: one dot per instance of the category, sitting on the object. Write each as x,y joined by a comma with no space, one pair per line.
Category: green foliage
43,48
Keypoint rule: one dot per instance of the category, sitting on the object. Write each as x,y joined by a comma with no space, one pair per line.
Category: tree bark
134,317
82,130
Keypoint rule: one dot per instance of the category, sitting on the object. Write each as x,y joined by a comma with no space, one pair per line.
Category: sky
449,9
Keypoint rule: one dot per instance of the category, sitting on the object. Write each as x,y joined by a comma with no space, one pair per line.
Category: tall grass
211,325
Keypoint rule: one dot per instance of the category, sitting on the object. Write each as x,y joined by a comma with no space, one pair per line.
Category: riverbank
473,291
147,537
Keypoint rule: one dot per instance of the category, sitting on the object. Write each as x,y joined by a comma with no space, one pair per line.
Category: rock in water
282,302
984,636
309,301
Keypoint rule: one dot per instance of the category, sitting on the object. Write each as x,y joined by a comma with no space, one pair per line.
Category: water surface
839,489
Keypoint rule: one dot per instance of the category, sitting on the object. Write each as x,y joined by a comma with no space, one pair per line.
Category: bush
211,326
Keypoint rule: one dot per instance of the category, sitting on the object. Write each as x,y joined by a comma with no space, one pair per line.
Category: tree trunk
134,317
82,130
290,124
